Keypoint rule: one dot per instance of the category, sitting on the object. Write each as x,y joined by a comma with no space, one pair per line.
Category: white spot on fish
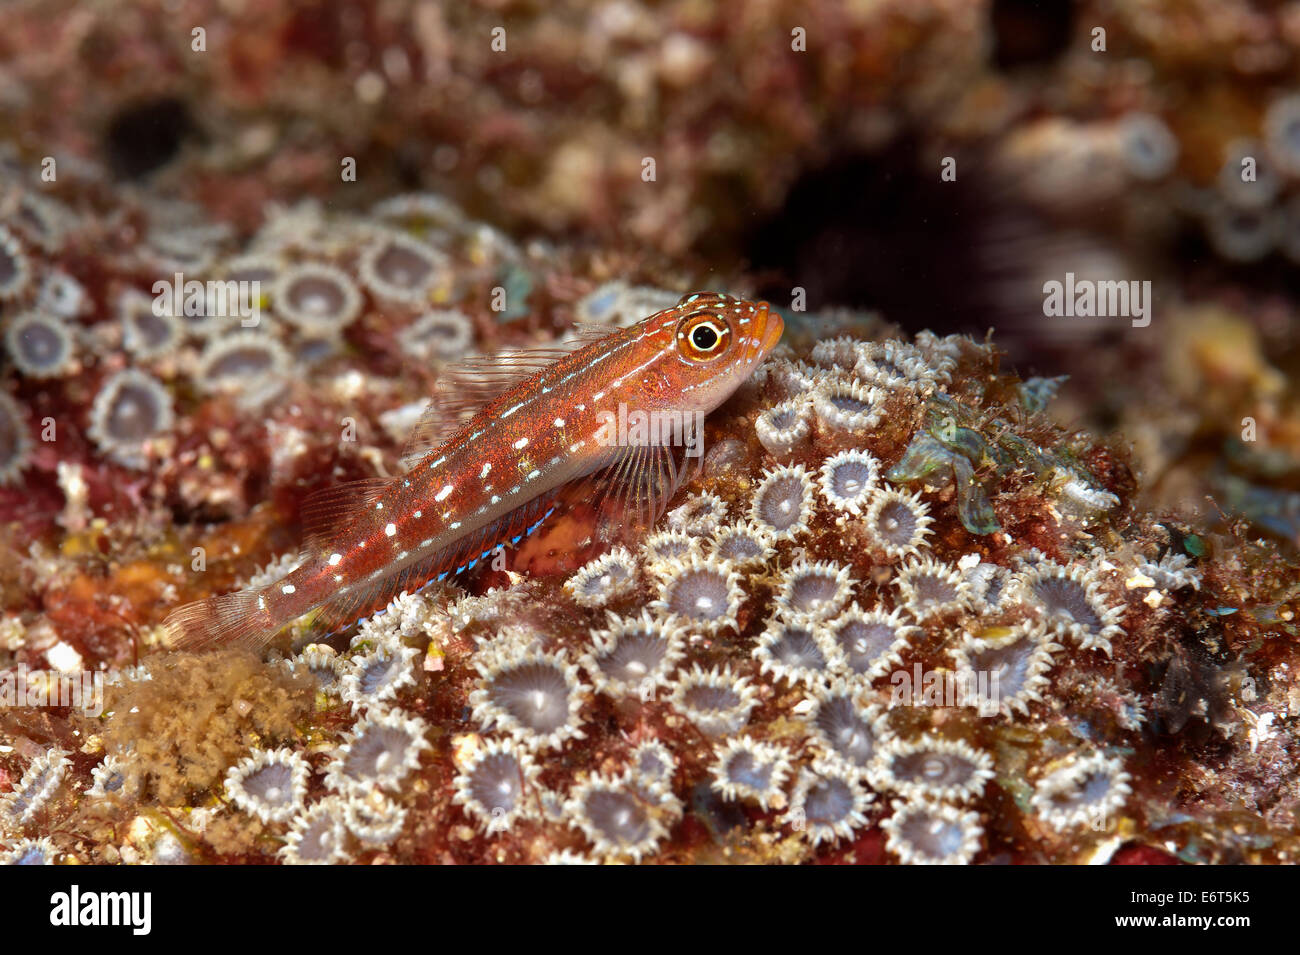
521,444
288,589
442,495
559,422
486,468
334,559
390,530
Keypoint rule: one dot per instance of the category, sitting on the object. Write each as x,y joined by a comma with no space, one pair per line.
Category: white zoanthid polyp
798,651
784,426
845,404
702,592
948,770
828,803
897,522
716,701
922,832
1071,603
930,589
750,769
1085,790
380,751
607,578
848,480
493,786
1005,667
845,727
634,656
783,501
534,696
269,784
871,642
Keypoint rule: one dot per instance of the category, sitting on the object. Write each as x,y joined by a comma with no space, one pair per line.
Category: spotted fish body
495,478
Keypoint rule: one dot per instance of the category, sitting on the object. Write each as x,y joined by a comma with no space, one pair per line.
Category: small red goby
492,454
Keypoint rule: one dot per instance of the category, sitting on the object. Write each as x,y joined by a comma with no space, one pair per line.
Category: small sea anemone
843,404
381,749
15,445
373,817
443,333
1148,147
813,590
828,802
943,769
783,427
377,676
1005,668
620,821
703,592
36,787
130,410
799,652
1072,605
15,270
244,363
29,852
921,832
114,778
783,502
897,523
605,579
40,344
316,835
492,786
700,516
316,297
745,768
399,268
871,642
1085,790
145,333
634,655
845,727
930,589
651,765
848,480
269,784
533,696
742,544
715,700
